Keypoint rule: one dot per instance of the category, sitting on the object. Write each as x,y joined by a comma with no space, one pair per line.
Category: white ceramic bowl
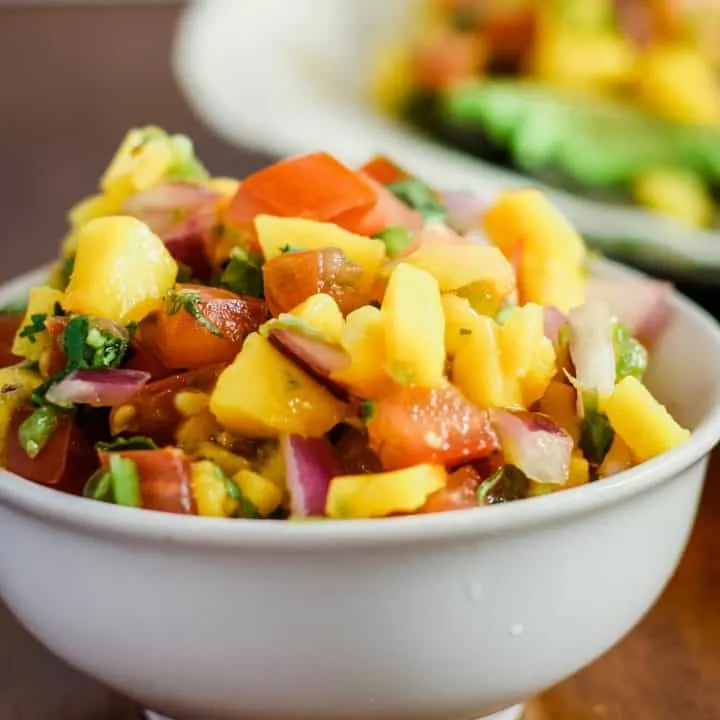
442,617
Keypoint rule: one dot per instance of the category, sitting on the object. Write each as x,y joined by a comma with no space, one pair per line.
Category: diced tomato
65,463
386,211
152,411
141,357
164,479
314,186
182,342
293,277
56,359
383,170
509,33
9,325
446,58
415,425
460,492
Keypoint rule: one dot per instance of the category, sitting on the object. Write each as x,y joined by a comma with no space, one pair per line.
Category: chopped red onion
641,303
310,465
99,388
318,358
591,347
554,320
465,209
535,444
166,208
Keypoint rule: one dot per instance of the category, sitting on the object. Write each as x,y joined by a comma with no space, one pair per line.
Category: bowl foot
513,713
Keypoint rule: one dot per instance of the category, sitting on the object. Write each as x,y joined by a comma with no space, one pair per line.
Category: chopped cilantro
396,239
37,429
631,357
367,410
93,344
36,326
190,301
243,273
596,436
507,484
246,508
418,195
138,442
290,249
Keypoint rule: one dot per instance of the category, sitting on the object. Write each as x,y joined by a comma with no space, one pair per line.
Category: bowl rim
111,521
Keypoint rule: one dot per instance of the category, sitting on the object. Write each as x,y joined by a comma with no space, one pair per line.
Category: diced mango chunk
560,403
275,233
478,370
579,471
41,301
364,340
263,394
322,313
549,251
457,266
93,207
414,325
264,494
381,494
210,492
641,421
460,319
122,270
526,353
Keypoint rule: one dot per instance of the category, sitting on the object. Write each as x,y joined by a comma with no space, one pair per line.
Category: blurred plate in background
289,76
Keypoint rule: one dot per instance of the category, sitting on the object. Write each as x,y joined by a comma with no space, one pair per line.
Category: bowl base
513,713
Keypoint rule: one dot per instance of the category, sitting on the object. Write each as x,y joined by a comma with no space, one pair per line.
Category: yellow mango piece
274,233
570,58
93,207
381,494
680,195
272,465
142,160
227,461
41,301
457,266
226,187
414,325
645,426
16,386
478,371
264,494
560,404
526,353
680,84
210,492
263,394
460,319
391,77
579,471
322,313
122,270
364,340
524,224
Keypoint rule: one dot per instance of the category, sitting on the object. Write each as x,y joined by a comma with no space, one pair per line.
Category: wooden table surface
72,80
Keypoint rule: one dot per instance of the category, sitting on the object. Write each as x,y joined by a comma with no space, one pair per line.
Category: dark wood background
72,80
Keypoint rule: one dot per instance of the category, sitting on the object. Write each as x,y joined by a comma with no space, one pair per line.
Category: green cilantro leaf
418,195
243,274
507,484
137,442
190,302
596,436
36,326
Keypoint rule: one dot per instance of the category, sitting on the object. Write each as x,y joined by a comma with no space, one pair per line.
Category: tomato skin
383,170
56,359
152,410
141,357
9,325
180,342
460,493
65,463
165,483
415,425
293,277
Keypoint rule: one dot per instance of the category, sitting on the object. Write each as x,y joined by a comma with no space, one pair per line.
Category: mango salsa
255,363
